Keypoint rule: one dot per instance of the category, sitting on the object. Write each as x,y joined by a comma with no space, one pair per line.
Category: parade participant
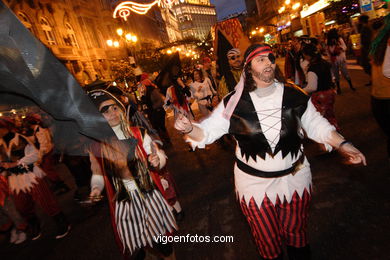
336,52
292,64
26,182
365,42
320,84
209,72
124,166
7,206
202,92
176,98
35,127
154,101
272,175
380,89
232,76
8,209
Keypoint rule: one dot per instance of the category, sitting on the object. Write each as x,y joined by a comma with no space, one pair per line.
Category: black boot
338,87
299,253
34,228
63,226
350,85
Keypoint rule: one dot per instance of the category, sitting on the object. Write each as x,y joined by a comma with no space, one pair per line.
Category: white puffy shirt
268,109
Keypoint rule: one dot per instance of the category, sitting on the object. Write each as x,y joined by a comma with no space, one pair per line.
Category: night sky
227,7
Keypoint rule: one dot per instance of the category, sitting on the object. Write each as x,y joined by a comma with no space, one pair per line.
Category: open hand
352,154
183,124
153,158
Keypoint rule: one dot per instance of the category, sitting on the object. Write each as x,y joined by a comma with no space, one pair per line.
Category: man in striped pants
272,176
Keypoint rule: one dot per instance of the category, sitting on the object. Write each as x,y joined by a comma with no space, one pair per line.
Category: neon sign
124,9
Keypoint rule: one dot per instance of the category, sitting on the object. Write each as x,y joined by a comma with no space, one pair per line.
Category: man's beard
263,77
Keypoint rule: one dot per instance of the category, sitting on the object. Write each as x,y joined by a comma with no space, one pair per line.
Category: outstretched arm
346,149
321,131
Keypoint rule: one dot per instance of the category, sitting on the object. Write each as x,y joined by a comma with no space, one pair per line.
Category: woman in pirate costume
124,166
272,175
26,181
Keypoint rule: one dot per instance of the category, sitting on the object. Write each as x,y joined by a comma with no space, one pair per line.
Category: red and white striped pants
271,224
40,194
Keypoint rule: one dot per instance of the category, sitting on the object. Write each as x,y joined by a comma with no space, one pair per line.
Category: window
26,22
48,31
71,36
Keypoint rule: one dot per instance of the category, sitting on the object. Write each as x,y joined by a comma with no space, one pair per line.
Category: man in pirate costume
19,162
272,175
124,166
231,76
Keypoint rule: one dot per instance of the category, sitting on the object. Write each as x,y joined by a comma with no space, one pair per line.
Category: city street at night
349,216
105,103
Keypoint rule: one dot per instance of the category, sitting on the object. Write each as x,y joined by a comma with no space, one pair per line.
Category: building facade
77,31
171,25
196,17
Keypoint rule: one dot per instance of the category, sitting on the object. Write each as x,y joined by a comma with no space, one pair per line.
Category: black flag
30,70
223,46
171,70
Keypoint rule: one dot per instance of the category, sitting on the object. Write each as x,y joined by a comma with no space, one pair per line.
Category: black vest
246,128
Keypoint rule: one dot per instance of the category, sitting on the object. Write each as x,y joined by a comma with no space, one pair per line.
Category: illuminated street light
253,32
296,6
128,36
261,30
134,38
116,44
119,31
109,43
287,2
169,52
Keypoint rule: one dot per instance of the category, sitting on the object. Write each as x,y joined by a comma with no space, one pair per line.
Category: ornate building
76,31
196,17
171,25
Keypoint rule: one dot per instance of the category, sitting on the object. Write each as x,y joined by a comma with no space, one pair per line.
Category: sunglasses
234,57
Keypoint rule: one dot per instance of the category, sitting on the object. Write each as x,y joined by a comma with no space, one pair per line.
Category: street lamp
119,31
127,38
296,6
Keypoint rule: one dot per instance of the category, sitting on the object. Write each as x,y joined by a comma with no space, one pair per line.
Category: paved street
350,213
